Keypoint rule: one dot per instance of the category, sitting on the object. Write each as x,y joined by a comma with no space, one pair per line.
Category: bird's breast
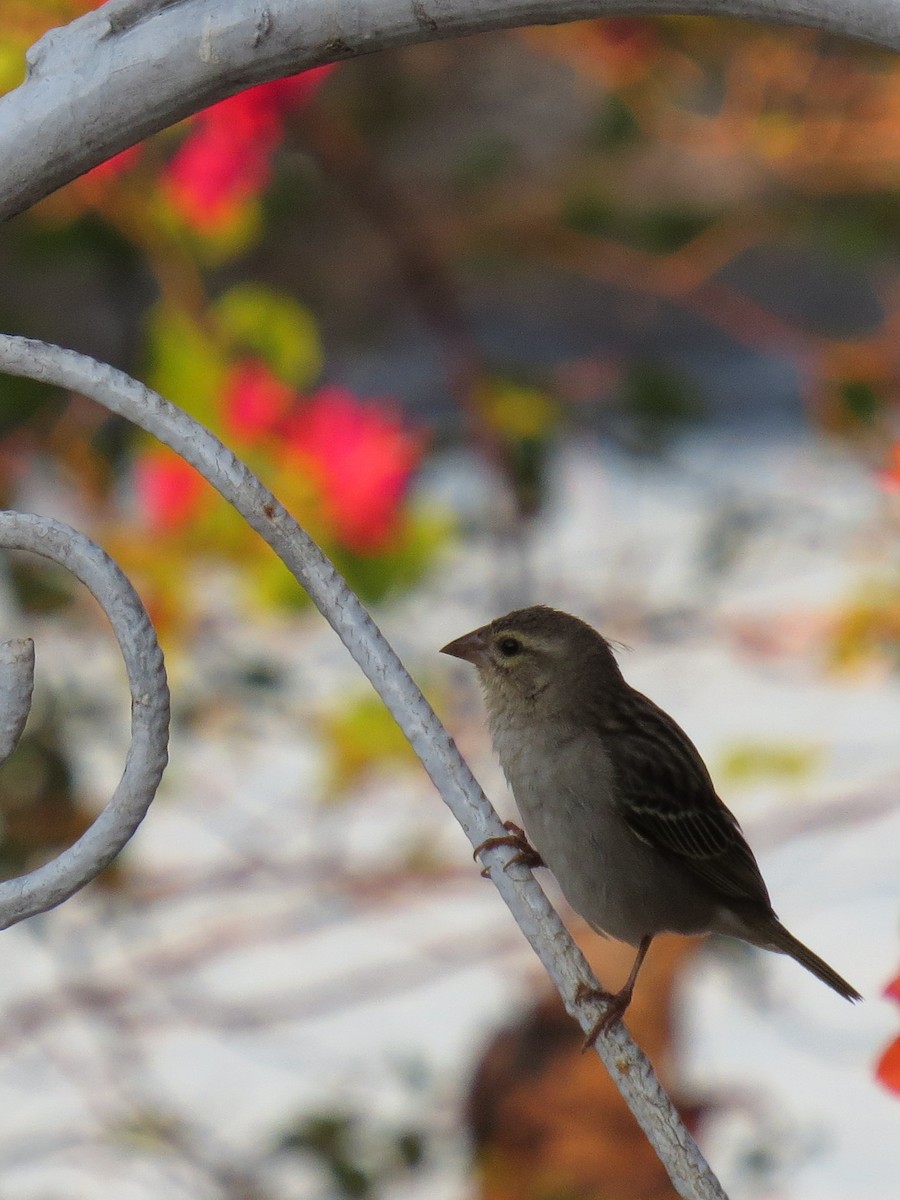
564,784
535,756
562,780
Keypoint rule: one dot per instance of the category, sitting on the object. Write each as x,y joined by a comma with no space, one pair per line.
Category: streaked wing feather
670,802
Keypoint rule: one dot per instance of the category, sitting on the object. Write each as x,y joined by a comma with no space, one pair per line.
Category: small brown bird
615,798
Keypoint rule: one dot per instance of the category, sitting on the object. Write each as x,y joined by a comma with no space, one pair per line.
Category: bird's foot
616,1004
515,837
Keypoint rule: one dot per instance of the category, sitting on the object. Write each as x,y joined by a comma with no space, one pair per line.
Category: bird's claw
616,1004
515,837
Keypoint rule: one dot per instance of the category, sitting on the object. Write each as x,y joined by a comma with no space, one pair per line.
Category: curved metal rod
626,1063
131,67
98,846
16,686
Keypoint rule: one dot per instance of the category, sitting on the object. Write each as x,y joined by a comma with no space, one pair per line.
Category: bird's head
536,658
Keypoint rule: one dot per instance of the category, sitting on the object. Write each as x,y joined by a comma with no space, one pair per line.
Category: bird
615,799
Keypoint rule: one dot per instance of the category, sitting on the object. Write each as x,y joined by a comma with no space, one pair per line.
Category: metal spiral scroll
98,846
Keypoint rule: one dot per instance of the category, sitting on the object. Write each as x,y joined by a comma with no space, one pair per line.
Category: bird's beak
471,646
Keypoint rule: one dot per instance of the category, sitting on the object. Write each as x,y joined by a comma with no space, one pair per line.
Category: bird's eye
510,647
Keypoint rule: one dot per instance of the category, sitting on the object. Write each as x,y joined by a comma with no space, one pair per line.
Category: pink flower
362,459
255,400
168,489
226,159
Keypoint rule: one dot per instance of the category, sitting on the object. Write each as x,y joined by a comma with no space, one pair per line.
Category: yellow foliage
758,762
517,411
868,630
359,737
274,326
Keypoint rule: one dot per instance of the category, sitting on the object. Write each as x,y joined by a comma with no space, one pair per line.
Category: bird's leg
515,837
616,1002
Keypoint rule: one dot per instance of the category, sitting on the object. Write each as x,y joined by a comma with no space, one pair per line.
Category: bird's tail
778,938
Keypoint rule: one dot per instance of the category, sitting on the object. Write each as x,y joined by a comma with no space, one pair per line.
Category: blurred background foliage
343,272
628,228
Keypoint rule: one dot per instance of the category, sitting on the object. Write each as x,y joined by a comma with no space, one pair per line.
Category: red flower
888,1070
294,90
889,475
255,400
226,158
168,489
361,458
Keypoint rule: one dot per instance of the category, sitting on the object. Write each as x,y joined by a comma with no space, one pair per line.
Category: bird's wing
669,801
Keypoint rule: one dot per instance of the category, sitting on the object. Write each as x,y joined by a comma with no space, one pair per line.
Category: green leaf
41,588
22,400
590,213
861,400
658,401
858,227
186,366
485,160
614,127
666,229
275,327
659,230
411,1148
